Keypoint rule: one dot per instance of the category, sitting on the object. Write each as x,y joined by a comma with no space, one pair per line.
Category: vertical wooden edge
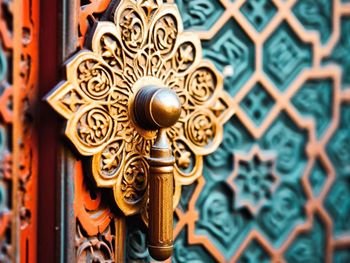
120,238
17,48
68,40
49,136
25,68
29,237
68,28
65,246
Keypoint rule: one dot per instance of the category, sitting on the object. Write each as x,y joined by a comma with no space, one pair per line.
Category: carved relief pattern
285,67
96,248
316,15
144,44
252,10
254,179
18,170
95,234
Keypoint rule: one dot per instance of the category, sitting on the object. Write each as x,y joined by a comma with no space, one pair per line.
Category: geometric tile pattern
258,12
288,75
313,100
253,179
316,15
285,56
340,51
232,52
295,109
257,104
200,15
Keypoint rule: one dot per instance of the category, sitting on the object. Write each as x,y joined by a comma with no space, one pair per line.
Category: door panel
277,189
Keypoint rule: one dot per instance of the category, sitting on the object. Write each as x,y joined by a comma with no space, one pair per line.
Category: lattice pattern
18,145
300,66
296,54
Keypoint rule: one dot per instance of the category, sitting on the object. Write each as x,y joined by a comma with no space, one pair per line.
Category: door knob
144,106
156,107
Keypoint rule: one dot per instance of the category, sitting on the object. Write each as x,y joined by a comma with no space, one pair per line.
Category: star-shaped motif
72,100
253,179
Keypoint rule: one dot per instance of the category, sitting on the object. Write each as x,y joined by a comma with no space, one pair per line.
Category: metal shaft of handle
161,163
159,108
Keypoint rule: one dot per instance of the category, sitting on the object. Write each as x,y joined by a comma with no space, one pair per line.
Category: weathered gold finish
144,48
159,108
160,226
156,108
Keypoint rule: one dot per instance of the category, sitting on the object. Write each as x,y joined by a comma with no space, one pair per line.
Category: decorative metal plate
145,45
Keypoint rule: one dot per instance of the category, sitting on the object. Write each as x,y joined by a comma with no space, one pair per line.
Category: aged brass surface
157,107
143,51
160,226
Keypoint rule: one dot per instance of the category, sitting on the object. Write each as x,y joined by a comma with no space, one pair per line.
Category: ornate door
254,129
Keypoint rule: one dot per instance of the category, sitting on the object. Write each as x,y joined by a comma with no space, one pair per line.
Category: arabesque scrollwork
144,45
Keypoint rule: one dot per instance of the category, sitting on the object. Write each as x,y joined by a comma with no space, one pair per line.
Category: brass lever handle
159,108
160,222
121,100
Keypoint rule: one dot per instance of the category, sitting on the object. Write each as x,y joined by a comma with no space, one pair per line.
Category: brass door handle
140,101
160,223
159,108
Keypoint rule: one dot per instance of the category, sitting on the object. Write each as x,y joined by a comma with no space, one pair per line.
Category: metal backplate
145,45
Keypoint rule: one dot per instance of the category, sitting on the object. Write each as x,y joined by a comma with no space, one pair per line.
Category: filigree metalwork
144,45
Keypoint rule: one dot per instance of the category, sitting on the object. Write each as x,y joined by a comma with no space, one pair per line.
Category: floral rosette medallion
145,45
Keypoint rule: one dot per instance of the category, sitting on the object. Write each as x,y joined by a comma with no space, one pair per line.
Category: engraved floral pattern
144,44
